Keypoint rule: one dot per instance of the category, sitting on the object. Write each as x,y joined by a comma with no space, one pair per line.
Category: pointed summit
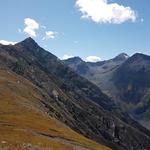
29,39
121,57
28,42
30,46
75,60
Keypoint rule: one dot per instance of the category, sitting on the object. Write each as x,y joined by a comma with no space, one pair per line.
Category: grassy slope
24,123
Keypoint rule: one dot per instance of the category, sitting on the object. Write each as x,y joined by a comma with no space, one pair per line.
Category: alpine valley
51,104
125,79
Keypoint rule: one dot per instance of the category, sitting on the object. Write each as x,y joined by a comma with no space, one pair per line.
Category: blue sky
79,27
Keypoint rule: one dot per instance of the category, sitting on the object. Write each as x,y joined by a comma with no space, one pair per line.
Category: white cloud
101,11
49,35
93,59
30,27
67,57
4,42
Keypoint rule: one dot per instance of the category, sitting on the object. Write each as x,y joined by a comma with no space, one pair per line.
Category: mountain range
46,104
125,79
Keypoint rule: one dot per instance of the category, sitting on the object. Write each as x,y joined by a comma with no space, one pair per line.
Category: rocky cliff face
72,99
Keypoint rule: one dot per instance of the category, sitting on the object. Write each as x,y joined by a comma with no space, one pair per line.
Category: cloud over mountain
31,26
101,11
93,59
66,56
49,35
4,42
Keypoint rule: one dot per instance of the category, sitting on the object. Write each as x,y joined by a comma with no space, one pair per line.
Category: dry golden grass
24,125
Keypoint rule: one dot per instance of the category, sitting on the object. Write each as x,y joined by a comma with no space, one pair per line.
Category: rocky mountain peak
75,59
141,56
121,57
28,42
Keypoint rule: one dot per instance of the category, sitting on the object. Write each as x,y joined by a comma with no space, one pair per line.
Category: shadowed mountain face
72,99
124,79
132,80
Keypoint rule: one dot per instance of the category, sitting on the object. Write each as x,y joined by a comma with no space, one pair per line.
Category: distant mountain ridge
72,99
100,73
125,79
